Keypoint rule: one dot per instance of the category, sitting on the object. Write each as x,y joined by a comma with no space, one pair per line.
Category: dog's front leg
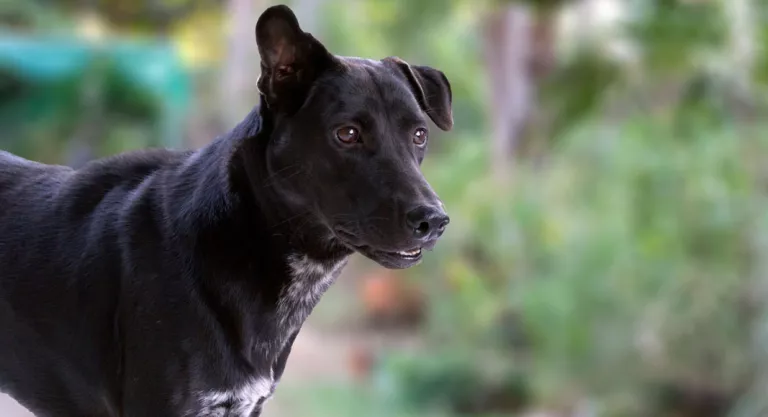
279,366
277,372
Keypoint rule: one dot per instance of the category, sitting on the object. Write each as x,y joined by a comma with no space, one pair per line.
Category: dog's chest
307,283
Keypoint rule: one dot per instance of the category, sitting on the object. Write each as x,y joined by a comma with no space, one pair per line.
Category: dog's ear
431,88
291,59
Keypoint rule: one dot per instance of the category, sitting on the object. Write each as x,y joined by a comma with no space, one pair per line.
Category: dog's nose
427,222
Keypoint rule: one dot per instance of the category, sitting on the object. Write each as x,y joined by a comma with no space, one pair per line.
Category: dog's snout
427,222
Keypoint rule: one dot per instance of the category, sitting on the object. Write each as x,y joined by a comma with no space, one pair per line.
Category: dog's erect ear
432,90
291,59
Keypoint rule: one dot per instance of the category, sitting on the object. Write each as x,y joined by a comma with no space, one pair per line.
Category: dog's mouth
392,259
415,253
406,255
397,259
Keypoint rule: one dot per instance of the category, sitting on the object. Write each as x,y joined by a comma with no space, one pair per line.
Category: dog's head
349,138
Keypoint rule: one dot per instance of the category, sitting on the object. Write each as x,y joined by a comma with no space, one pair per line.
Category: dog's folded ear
431,88
291,59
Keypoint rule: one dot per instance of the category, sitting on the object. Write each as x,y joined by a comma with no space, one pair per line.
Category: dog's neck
262,263
296,227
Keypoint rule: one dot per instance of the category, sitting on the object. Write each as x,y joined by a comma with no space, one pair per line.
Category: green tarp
139,78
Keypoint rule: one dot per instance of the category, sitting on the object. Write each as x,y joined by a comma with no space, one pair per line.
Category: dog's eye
348,134
420,136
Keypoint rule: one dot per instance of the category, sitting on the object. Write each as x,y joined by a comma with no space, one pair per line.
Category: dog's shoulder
129,167
111,181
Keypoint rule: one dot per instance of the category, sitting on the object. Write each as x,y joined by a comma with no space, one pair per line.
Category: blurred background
607,181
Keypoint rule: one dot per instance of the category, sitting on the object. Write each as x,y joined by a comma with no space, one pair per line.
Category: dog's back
60,204
21,179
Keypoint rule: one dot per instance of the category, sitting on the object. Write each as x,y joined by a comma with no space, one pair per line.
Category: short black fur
163,283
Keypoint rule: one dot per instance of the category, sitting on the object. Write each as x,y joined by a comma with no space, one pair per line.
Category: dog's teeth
410,253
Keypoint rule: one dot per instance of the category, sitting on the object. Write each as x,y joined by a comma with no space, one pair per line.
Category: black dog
173,284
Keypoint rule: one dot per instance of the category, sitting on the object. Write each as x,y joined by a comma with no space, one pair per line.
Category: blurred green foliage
673,32
633,250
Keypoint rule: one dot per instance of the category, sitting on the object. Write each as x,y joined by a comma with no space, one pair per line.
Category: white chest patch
310,279
238,402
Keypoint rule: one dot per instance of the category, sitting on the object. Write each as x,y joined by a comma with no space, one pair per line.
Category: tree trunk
542,62
740,14
508,41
